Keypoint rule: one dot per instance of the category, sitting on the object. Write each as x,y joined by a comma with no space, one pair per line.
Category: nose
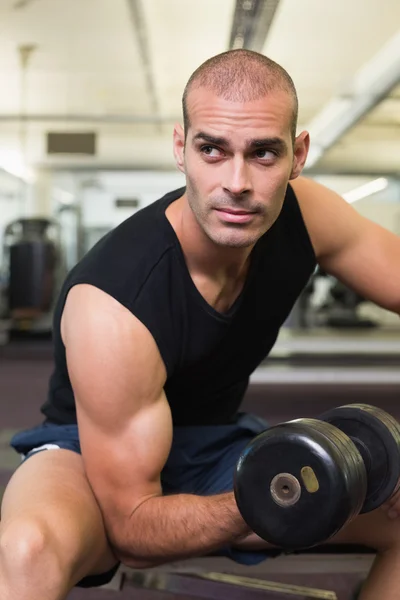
237,177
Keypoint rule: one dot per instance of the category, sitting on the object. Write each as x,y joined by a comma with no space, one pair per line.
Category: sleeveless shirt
209,356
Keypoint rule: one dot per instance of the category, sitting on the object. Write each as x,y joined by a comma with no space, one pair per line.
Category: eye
264,153
211,151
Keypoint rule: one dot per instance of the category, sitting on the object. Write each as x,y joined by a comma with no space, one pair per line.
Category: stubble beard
230,235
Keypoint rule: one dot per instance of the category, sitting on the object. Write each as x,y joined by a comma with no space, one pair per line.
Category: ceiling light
369,86
363,191
12,163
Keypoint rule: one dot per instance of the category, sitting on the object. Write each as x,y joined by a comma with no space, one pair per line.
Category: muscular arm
359,252
125,432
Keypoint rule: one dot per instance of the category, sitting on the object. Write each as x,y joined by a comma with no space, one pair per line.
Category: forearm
169,528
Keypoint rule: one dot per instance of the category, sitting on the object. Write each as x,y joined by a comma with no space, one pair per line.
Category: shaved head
240,76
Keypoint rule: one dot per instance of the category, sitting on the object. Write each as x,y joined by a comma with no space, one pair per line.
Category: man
156,333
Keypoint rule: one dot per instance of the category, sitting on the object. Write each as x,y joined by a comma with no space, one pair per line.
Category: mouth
232,215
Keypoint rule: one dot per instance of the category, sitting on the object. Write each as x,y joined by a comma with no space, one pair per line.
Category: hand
392,506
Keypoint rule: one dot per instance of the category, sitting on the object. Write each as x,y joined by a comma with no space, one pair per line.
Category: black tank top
208,356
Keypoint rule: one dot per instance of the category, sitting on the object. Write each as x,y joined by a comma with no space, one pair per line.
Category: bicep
359,252
124,419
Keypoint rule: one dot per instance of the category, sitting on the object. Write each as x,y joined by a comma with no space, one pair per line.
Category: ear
301,147
179,147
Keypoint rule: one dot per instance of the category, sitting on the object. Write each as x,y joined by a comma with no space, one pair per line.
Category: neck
202,255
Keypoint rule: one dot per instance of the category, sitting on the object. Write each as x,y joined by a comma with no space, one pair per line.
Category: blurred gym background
90,91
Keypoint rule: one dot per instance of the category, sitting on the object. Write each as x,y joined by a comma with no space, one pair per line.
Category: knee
26,547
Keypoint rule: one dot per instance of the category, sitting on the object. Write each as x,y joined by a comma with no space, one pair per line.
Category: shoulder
310,193
109,278
331,222
98,324
126,255
143,231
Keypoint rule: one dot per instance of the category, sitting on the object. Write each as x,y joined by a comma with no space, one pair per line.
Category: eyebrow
271,142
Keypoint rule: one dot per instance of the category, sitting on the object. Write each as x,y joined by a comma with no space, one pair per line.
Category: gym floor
24,370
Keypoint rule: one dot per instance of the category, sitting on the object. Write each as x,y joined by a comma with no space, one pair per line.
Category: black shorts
201,461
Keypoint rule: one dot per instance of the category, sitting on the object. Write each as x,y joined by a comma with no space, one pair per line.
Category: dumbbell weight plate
299,483
377,437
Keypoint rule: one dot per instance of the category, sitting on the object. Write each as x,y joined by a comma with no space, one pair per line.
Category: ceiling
118,68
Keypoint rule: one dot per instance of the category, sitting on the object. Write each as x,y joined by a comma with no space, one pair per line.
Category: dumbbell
298,483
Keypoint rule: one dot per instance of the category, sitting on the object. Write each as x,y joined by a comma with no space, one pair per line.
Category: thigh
51,489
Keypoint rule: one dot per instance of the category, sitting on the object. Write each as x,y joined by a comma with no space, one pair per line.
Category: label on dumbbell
310,480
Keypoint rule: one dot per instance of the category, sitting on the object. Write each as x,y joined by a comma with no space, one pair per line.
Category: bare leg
51,531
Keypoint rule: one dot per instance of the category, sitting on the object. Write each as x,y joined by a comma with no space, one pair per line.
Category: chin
234,239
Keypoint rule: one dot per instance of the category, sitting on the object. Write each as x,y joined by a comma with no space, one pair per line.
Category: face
238,159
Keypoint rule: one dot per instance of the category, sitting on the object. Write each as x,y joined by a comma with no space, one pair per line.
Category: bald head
240,76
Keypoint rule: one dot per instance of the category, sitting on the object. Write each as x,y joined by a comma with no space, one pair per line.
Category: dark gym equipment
297,484
338,310
34,265
376,434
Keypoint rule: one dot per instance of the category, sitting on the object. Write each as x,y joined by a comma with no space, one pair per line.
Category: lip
235,216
